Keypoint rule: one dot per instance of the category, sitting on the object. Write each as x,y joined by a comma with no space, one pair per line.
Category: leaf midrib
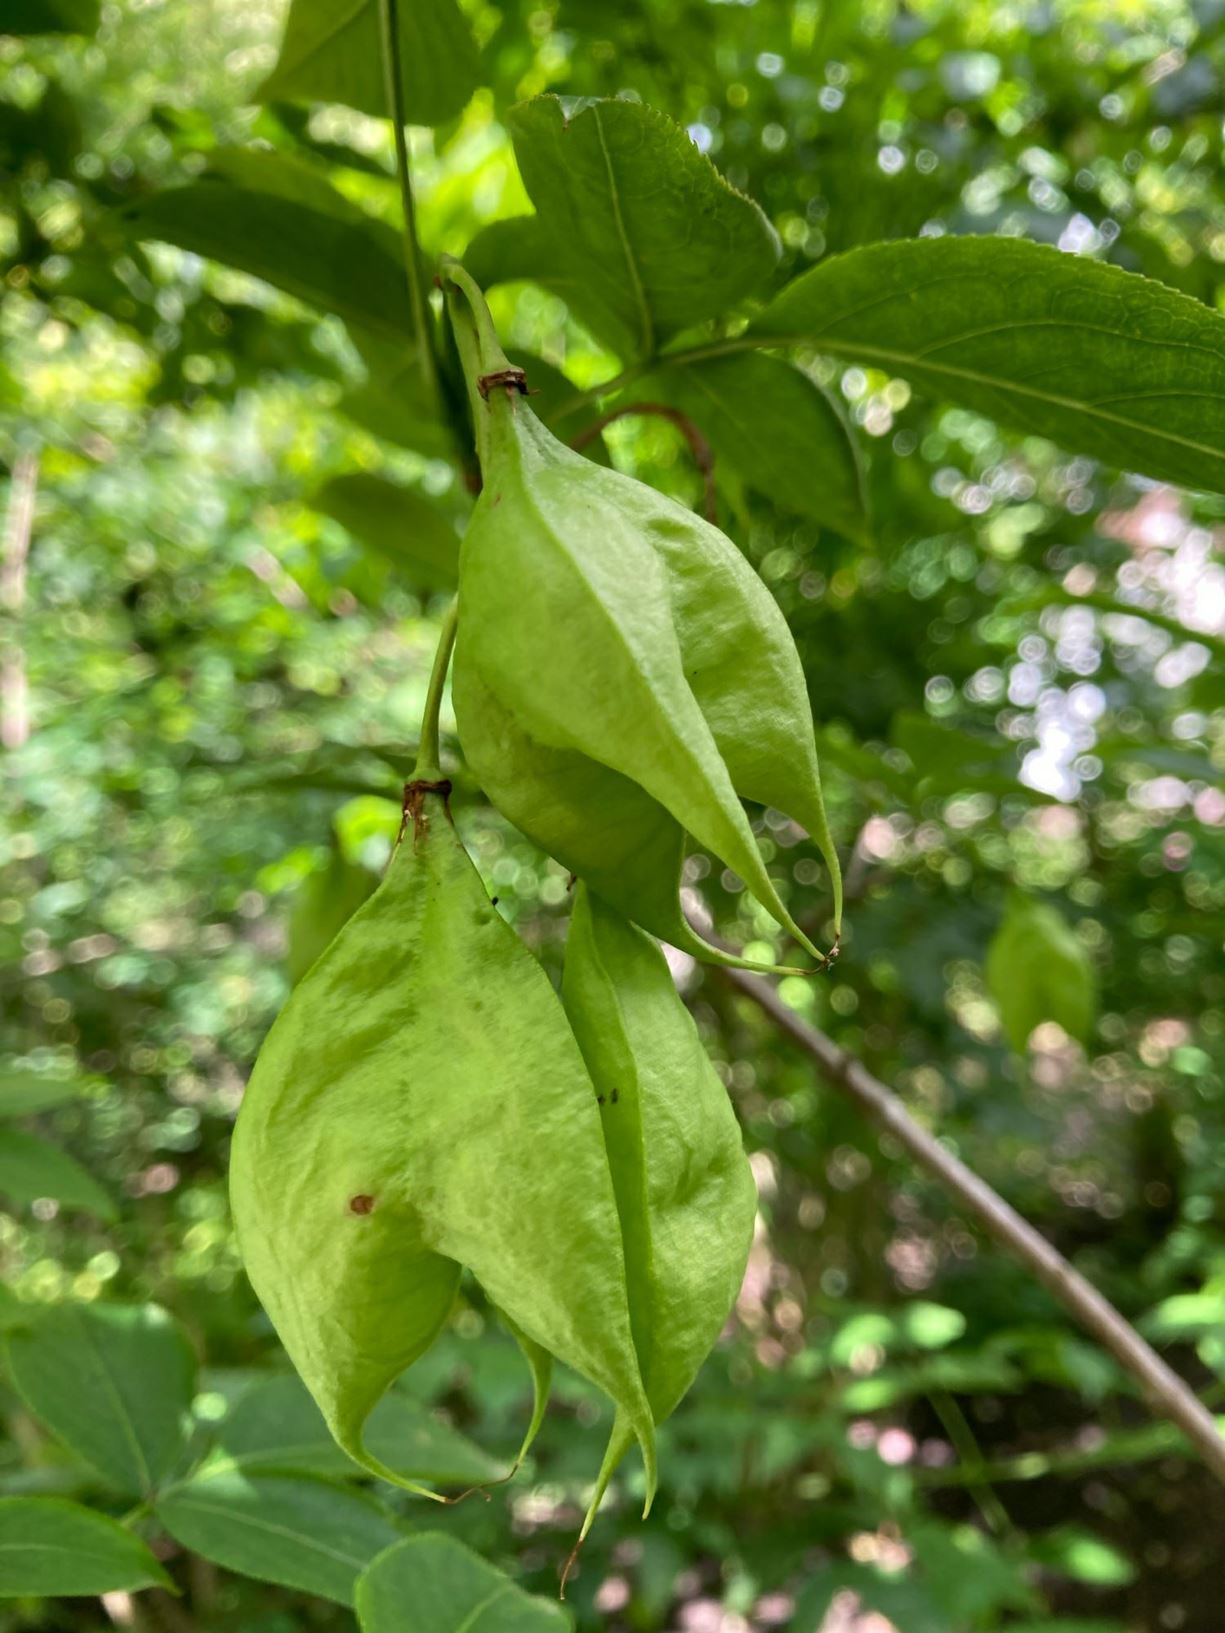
904,361
640,294
242,1518
125,1420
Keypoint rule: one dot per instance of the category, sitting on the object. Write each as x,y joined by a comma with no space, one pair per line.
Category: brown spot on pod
361,1204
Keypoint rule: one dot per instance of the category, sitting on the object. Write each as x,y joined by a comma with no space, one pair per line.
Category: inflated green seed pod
622,676
685,1191
420,1106
1039,970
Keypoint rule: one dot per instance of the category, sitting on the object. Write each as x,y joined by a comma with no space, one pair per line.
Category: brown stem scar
414,803
361,1204
513,379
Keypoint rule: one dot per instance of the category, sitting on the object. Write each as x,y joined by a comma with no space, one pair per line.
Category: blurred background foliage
214,658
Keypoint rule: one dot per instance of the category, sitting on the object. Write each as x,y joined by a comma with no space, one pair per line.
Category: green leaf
30,1169
14,1311
1100,361
50,17
948,760
433,1584
1083,1557
23,1091
278,220
634,228
901,1598
114,1382
299,1532
1186,1315
52,1548
332,52
776,427
1039,970
400,524
392,404
1067,1624
324,903
929,1326
969,1575
277,1426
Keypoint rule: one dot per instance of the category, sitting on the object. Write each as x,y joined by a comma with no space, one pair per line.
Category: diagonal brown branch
1168,1395
703,455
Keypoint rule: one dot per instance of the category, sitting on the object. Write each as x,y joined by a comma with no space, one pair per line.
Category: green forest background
217,635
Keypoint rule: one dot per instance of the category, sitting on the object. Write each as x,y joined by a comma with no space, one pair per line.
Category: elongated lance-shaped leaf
648,643
420,1106
1101,361
685,1191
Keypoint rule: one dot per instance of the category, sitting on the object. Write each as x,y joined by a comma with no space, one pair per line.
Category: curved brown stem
703,454
1167,1394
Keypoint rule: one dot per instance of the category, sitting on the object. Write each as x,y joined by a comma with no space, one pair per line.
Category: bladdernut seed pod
420,1107
622,676
685,1191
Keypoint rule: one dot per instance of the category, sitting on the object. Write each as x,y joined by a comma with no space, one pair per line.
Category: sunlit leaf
634,228
1099,360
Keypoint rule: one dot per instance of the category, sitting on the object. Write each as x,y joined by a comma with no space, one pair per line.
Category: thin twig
961,1436
393,82
1167,1394
703,455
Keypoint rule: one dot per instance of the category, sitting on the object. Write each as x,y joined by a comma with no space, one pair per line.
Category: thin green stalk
959,1432
476,339
689,354
428,768
393,80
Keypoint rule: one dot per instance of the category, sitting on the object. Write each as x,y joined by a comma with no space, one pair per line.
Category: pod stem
488,372
428,767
